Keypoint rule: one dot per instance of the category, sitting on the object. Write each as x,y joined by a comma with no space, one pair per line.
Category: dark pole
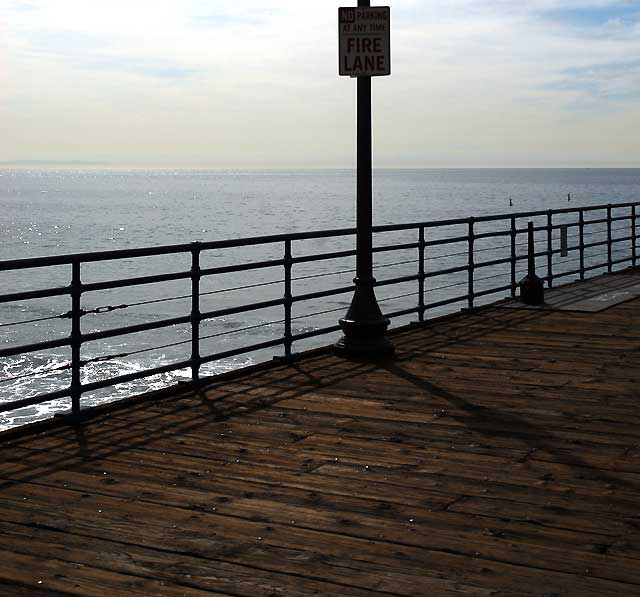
364,217
364,326
531,251
76,338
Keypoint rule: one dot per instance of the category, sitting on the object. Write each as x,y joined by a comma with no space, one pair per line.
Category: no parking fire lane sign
364,41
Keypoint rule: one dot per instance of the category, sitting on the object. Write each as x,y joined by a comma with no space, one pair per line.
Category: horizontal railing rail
425,279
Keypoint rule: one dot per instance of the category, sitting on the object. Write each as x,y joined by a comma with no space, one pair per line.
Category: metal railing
592,247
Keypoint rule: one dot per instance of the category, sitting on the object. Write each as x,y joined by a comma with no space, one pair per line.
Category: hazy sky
247,83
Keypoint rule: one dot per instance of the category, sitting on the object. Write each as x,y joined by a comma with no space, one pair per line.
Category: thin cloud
101,53
225,20
595,20
23,6
611,82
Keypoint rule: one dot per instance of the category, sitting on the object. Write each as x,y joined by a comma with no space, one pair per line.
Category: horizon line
283,166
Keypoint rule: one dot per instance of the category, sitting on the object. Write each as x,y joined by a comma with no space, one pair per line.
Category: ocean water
50,212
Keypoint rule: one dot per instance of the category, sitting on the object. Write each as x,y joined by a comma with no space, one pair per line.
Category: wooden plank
13,589
191,572
79,579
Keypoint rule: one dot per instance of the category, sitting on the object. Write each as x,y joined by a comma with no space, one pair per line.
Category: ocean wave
32,375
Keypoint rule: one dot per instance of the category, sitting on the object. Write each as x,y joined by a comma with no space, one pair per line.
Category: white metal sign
564,250
364,41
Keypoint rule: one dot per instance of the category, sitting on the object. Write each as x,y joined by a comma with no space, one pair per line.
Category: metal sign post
363,53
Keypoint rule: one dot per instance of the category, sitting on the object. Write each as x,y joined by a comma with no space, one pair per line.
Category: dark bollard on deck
531,286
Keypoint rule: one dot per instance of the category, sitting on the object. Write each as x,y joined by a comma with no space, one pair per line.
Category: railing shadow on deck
193,409
214,403
90,441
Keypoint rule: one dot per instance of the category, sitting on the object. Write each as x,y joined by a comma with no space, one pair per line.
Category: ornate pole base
364,326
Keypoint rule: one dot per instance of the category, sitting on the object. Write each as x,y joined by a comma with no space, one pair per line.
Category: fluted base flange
364,326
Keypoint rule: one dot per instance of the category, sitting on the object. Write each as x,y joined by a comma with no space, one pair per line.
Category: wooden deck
498,454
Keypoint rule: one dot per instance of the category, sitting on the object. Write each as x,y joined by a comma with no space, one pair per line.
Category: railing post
513,257
421,275
550,249
288,262
581,239
471,265
195,312
633,235
76,337
609,242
